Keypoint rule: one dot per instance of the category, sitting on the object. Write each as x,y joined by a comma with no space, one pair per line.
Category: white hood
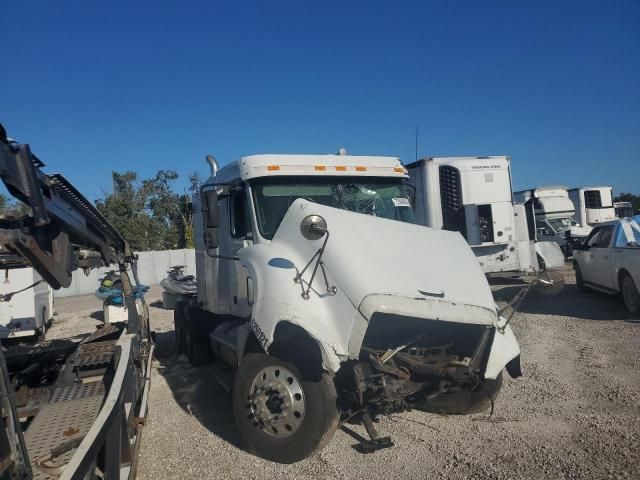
376,265
369,255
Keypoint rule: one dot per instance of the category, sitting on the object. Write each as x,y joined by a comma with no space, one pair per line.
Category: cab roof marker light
400,169
341,169
361,169
320,168
272,168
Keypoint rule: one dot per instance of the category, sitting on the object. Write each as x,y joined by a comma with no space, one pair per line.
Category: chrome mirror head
549,282
313,227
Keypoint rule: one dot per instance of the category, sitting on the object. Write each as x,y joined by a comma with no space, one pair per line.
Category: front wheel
630,295
283,417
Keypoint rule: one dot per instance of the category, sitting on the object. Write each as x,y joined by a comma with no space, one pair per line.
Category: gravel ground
574,414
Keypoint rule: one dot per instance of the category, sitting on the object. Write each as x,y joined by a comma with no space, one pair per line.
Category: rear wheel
178,325
630,294
196,338
283,416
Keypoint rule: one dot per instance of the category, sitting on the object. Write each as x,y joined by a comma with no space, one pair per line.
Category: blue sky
102,86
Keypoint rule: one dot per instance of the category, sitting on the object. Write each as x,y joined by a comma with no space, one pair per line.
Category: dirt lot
574,414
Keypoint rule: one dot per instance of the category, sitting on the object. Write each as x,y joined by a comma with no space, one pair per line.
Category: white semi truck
321,301
593,205
553,218
472,195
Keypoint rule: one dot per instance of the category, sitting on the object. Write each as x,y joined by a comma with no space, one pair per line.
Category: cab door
585,257
240,237
601,264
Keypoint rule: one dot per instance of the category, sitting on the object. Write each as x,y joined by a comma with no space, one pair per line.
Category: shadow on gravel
569,302
196,391
499,281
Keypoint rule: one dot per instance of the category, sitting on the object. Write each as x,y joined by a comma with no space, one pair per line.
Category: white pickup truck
609,261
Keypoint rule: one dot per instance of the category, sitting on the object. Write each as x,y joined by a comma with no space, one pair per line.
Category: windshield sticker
401,202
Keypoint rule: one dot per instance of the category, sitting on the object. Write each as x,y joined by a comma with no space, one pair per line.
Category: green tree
149,213
11,207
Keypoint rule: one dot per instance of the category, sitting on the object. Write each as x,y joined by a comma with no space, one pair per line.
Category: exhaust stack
213,165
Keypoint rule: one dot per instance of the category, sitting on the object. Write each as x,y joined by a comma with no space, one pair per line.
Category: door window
238,214
593,237
604,238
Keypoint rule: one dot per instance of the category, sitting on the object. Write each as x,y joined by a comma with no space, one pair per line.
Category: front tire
630,294
283,417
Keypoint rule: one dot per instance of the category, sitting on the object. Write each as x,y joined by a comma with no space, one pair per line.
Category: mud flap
504,349
513,368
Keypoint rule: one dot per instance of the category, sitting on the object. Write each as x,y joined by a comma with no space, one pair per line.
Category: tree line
629,197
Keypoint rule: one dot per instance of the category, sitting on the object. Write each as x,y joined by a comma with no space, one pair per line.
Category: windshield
380,197
561,224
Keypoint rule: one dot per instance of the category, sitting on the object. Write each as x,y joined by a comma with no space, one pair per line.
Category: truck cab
554,216
321,300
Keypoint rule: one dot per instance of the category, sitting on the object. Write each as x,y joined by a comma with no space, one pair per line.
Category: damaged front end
430,365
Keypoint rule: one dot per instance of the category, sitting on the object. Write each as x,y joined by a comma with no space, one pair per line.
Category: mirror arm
514,304
319,263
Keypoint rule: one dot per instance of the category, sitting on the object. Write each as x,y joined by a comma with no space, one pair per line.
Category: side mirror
210,218
313,227
210,208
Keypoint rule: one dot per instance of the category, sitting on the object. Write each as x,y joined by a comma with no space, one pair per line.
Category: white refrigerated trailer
593,205
472,195
28,312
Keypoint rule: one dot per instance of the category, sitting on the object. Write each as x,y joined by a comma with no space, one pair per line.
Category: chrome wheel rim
276,402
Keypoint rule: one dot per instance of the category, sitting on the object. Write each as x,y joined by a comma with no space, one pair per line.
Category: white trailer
321,300
472,195
27,313
593,205
553,218
623,209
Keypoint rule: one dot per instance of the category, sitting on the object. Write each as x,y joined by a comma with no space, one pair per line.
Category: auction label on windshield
401,202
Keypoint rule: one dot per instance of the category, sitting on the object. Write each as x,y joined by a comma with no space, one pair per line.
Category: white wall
152,267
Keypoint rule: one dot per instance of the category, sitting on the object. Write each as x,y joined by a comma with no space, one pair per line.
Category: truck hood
387,265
